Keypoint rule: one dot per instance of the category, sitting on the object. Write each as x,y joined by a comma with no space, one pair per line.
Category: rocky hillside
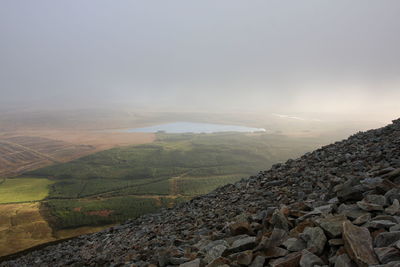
337,206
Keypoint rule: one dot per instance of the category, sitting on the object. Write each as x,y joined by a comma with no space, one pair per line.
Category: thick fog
283,56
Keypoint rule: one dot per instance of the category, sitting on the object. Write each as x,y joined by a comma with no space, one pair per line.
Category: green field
24,189
130,181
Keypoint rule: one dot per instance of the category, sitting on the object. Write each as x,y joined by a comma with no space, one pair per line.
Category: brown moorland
22,226
21,151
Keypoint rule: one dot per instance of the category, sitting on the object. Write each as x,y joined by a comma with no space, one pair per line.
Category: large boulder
358,244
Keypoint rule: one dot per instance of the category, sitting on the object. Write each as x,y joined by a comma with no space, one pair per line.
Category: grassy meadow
24,189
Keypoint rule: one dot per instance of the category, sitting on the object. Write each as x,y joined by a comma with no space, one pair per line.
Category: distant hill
336,206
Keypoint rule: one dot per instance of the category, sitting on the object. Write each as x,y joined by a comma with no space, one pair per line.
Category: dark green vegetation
121,183
93,212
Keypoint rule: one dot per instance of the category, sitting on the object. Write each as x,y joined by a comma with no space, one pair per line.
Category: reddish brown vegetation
32,149
102,213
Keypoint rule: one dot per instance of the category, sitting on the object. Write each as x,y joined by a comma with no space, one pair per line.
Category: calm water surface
194,127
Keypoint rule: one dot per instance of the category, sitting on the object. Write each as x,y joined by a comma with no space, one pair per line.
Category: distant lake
193,127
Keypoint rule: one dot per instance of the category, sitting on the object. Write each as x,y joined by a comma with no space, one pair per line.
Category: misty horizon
262,56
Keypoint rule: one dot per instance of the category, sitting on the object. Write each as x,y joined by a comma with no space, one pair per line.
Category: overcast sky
315,55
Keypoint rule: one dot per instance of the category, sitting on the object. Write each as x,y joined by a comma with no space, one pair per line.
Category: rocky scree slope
337,206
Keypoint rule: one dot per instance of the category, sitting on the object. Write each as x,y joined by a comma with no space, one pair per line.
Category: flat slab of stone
290,260
358,244
333,225
386,239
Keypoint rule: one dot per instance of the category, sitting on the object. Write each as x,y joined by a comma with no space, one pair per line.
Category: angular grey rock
245,243
275,252
243,258
214,252
395,228
209,245
218,262
324,209
385,218
349,192
240,228
362,219
277,237
390,264
376,199
369,206
309,259
292,259
178,261
333,225
336,242
386,239
393,194
394,209
387,254
352,211
358,244
279,220
258,262
379,224
315,239
343,260
393,174
193,263
294,244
